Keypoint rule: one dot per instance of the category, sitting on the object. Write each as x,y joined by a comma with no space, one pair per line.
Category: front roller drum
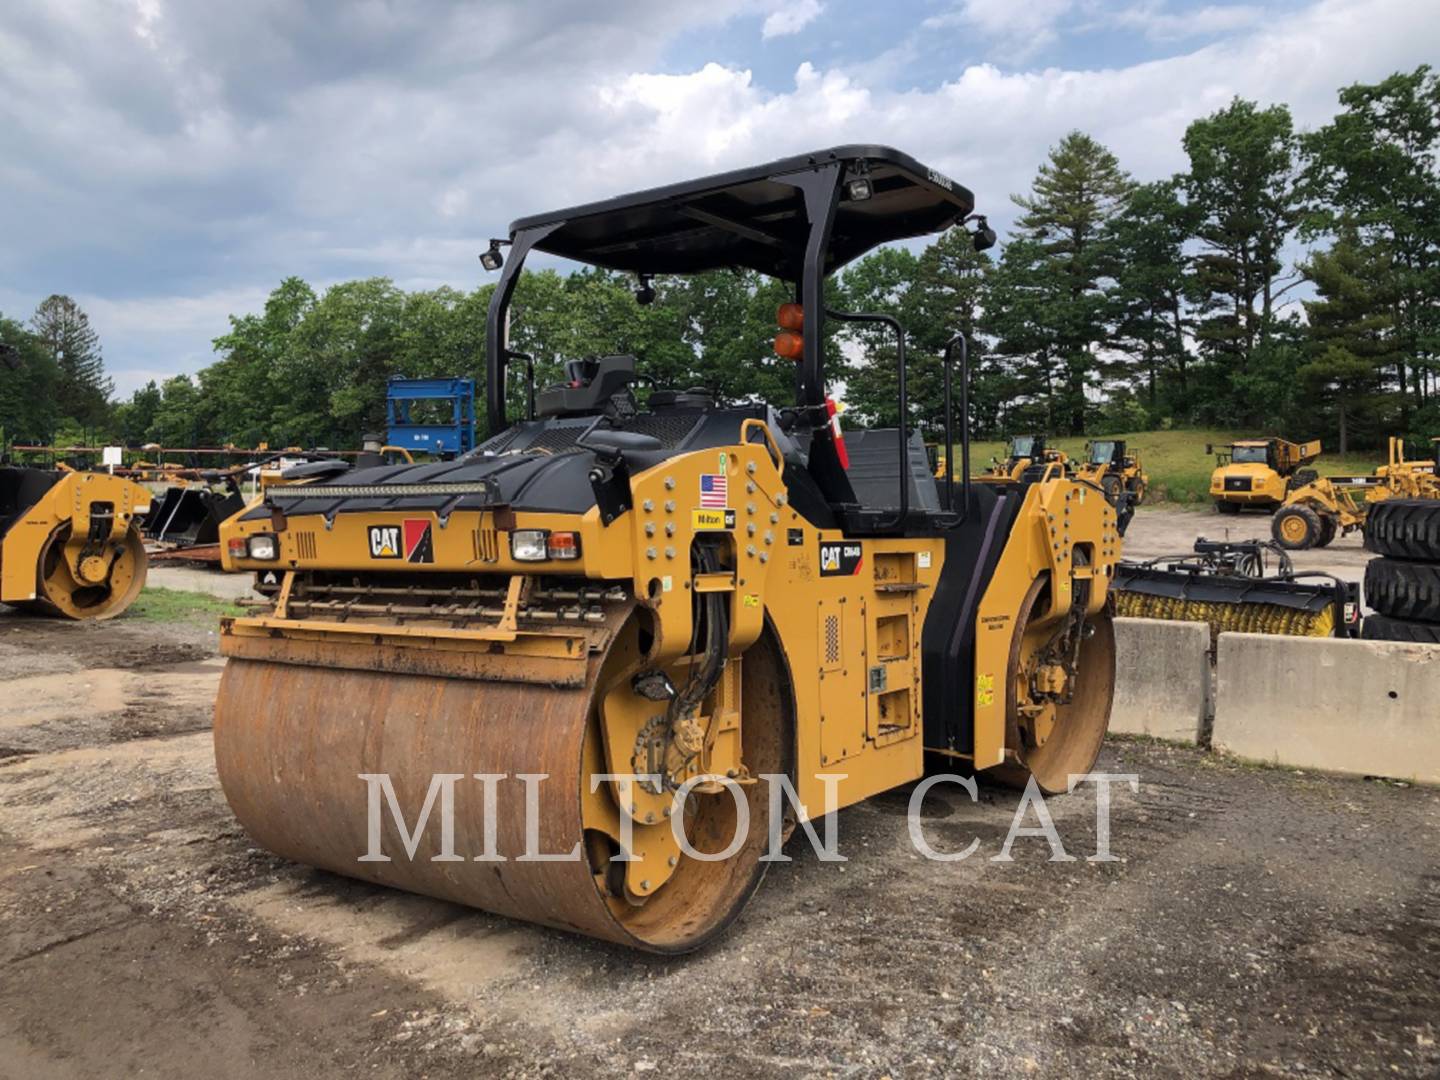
291,743
116,579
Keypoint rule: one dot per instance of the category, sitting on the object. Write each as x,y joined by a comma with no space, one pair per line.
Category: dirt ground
1258,922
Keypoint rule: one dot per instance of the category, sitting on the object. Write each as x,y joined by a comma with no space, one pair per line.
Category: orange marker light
791,317
789,345
563,545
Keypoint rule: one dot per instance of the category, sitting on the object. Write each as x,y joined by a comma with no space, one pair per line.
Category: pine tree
1149,294
1241,189
1068,222
1374,169
65,332
1351,335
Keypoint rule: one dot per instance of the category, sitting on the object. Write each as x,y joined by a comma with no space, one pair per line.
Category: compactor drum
70,542
587,674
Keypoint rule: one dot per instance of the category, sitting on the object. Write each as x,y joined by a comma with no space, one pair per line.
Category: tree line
1285,281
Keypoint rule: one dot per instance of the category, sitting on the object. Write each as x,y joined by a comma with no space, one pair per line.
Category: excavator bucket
190,515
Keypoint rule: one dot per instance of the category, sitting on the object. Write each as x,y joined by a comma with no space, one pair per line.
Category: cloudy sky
167,162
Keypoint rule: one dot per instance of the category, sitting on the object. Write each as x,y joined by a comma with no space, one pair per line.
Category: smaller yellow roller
70,542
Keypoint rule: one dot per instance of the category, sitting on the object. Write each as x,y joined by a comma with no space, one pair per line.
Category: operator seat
875,470
590,385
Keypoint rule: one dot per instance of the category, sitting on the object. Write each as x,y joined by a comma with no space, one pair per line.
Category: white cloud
1024,28
1159,24
791,18
990,128
172,180
163,336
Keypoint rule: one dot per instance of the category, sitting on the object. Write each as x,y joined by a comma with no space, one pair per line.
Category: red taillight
237,548
563,545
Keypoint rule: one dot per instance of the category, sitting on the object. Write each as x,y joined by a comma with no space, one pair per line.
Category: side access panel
841,643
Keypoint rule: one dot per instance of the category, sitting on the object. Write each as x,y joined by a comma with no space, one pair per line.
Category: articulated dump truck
665,604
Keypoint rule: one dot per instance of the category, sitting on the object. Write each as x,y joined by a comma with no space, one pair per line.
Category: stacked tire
1403,585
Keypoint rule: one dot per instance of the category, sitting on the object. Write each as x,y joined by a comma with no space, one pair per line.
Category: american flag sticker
714,490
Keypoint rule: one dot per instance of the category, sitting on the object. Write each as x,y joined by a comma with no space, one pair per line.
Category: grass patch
180,605
1176,462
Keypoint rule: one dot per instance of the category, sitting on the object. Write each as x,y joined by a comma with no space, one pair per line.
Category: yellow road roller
660,601
70,542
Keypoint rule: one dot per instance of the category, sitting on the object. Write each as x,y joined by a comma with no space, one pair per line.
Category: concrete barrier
1370,708
1162,685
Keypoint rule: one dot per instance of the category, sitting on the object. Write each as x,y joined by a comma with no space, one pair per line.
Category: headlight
263,547
528,545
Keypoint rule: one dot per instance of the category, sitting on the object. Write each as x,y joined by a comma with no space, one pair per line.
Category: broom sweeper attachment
1249,586
597,664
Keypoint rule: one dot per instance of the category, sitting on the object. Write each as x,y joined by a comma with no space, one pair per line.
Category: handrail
772,447
958,339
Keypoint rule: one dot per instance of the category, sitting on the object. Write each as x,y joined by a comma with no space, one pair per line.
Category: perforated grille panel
832,640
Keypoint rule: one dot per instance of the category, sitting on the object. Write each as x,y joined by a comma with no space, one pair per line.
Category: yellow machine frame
82,529
1066,533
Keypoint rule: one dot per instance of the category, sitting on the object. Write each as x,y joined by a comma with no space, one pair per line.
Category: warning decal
984,690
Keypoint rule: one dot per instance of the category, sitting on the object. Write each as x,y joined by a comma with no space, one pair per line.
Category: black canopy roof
749,218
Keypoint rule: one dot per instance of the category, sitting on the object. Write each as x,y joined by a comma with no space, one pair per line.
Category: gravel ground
1257,922
1168,530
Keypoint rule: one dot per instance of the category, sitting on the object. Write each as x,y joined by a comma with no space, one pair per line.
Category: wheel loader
668,605
1024,452
1259,473
1111,464
70,541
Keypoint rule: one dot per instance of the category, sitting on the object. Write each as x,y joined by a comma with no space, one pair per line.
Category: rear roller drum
108,583
1059,693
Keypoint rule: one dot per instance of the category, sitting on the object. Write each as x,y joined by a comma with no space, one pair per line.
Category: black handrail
511,354
958,339
893,323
